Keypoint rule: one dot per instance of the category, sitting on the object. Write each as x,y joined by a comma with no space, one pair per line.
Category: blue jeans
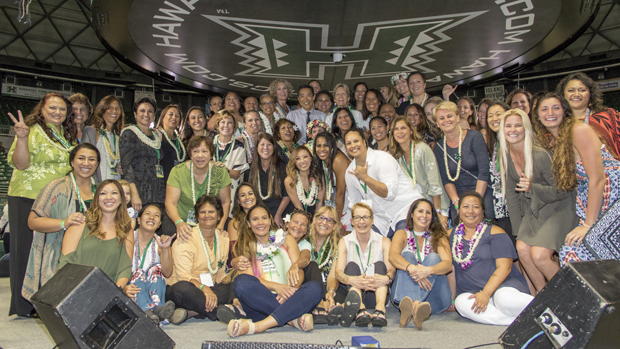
402,224
258,302
403,286
152,287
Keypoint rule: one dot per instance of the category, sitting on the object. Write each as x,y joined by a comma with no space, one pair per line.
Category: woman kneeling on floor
421,255
363,266
196,286
490,289
262,288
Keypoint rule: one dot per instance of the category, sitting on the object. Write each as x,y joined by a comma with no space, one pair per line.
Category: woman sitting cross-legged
363,266
490,289
151,262
262,288
199,266
421,255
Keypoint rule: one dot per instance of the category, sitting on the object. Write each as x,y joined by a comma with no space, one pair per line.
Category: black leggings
368,297
186,295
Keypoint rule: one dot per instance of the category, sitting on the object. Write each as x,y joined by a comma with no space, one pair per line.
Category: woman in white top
363,267
104,132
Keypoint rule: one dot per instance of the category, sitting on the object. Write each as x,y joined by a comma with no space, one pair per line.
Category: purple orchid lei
276,239
458,247
411,241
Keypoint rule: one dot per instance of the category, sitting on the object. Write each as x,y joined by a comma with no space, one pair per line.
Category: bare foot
451,309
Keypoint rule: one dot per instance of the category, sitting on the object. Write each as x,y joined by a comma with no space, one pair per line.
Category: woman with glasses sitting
364,269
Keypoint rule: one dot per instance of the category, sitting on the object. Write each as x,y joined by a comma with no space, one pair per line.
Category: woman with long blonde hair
540,213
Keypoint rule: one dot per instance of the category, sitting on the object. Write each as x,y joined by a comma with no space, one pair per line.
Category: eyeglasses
268,103
362,218
325,219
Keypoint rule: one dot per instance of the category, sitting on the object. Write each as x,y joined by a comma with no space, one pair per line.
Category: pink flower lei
411,241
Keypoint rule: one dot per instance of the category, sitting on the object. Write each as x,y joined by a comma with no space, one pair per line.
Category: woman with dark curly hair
195,124
373,101
467,113
580,160
39,154
104,132
416,114
520,99
82,110
586,100
286,136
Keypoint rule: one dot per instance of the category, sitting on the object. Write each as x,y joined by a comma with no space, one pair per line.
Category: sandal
351,306
363,318
179,316
378,318
334,315
421,312
307,320
239,322
406,311
320,318
227,312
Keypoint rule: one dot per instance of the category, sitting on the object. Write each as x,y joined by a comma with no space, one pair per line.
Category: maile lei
457,157
65,146
413,243
322,258
457,249
313,193
178,146
276,240
248,144
287,153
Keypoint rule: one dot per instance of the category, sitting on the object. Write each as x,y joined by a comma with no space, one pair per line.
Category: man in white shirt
376,179
302,116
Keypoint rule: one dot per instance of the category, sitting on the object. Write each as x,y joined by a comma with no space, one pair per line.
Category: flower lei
267,126
248,145
313,193
216,251
457,249
269,187
193,179
398,76
39,129
216,142
110,155
329,188
179,158
316,123
413,243
154,143
457,156
276,240
285,148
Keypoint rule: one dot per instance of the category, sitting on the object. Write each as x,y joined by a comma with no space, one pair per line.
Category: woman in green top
102,240
191,180
60,205
39,154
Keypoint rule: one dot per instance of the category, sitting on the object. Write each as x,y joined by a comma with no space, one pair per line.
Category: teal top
108,255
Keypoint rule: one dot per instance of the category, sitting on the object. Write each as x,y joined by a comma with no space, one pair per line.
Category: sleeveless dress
598,243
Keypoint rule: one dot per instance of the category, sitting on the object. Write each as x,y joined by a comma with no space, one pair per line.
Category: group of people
259,213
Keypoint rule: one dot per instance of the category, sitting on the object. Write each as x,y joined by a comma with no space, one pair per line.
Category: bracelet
407,268
439,210
485,293
177,222
587,226
200,288
62,225
331,290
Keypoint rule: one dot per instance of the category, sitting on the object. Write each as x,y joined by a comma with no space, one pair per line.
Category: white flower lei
266,123
301,194
153,143
458,244
39,129
175,148
269,190
266,250
208,179
460,157
206,250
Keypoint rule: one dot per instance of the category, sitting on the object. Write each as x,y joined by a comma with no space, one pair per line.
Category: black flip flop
226,315
378,320
319,319
334,315
351,306
363,318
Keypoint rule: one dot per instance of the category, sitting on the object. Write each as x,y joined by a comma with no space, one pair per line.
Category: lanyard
409,166
320,254
417,248
217,150
146,249
77,191
364,185
359,256
60,138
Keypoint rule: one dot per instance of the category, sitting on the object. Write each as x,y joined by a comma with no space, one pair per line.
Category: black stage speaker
82,308
576,309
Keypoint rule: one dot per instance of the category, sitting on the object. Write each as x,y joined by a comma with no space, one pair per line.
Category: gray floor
440,331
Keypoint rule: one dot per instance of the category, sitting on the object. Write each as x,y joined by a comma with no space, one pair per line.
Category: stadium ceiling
245,54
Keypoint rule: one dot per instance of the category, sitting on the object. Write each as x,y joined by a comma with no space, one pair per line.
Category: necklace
217,149
60,138
285,148
409,168
276,240
216,252
266,123
423,101
587,118
193,179
269,186
322,258
93,186
111,156
154,143
64,143
178,146
328,186
457,156
248,143
457,250
313,192
413,243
